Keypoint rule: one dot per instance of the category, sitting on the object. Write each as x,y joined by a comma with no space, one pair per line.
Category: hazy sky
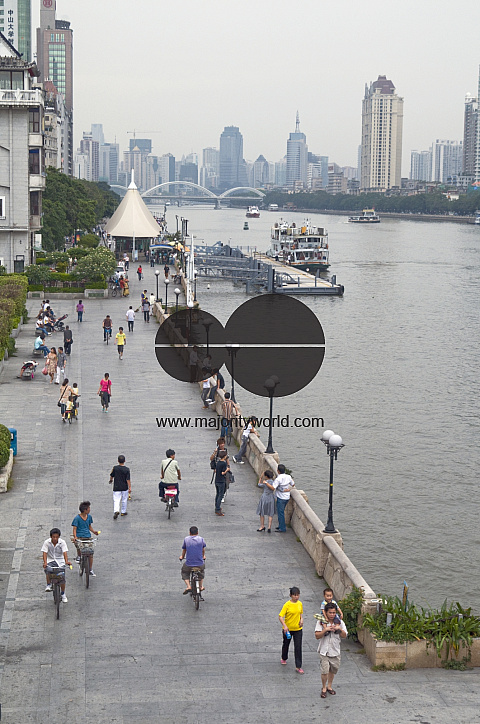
187,69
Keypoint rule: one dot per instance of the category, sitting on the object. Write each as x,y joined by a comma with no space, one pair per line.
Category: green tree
99,264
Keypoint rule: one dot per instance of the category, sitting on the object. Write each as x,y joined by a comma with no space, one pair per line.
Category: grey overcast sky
186,69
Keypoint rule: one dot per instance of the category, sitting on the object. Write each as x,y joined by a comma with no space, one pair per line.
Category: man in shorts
193,551
120,341
329,634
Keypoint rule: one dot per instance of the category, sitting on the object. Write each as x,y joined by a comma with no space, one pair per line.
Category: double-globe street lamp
333,443
270,385
157,272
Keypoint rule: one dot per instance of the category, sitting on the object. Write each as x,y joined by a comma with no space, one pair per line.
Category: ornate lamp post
157,272
232,350
195,288
207,326
177,294
167,282
270,386
333,443
190,307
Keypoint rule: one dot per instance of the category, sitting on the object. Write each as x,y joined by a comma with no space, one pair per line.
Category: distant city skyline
189,103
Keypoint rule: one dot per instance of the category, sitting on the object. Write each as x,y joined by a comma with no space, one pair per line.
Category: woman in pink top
105,391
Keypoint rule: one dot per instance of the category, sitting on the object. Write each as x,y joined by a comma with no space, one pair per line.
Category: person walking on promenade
166,271
61,363
266,504
221,469
248,430
193,552
329,633
120,341
283,484
121,284
146,310
229,413
55,558
328,598
152,299
122,487
51,363
105,391
65,392
126,261
291,618
205,387
80,310
126,288
169,476
130,315
67,340
139,272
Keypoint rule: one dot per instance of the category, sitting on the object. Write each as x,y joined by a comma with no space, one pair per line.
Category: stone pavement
132,648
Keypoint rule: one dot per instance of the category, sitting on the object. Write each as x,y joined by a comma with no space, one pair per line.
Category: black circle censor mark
271,336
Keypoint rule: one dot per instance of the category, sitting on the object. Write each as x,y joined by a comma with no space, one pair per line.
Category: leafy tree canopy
98,264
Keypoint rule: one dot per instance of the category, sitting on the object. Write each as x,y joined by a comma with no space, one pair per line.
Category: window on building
19,264
11,79
35,200
34,161
34,120
2,207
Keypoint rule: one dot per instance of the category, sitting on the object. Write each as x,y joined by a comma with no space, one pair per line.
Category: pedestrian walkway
132,648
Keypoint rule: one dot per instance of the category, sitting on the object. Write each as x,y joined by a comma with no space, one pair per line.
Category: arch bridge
200,193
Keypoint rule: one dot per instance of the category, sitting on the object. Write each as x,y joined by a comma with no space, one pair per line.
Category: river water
399,383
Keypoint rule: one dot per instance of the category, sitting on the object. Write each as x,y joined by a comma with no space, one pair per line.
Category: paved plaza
132,648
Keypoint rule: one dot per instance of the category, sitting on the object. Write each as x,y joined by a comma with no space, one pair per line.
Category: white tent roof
132,218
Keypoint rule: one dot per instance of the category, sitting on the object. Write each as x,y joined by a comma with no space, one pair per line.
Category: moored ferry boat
253,212
368,216
304,247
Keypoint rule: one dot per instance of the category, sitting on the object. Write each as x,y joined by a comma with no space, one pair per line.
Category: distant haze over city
188,69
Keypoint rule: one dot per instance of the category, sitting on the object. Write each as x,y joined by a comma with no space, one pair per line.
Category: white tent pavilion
132,219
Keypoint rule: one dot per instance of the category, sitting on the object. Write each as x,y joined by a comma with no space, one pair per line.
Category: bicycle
85,549
114,289
196,585
70,415
57,578
107,333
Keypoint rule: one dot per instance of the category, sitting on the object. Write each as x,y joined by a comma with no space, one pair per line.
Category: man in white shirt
130,315
55,555
283,484
329,634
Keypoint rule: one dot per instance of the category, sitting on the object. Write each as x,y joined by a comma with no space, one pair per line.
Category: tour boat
477,217
245,225
253,212
273,207
303,247
368,216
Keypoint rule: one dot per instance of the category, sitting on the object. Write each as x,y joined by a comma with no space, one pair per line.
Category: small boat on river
302,247
245,226
368,216
253,212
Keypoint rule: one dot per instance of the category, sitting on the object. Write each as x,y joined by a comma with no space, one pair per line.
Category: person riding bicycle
193,551
107,327
170,476
55,558
82,529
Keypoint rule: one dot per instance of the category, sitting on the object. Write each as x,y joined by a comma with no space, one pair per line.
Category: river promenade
132,648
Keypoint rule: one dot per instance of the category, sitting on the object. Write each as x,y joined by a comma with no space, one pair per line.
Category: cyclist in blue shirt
193,549
82,528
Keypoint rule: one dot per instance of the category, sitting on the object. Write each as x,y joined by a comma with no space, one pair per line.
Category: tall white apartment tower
477,141
382,125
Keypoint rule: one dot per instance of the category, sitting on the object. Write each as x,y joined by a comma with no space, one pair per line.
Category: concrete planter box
5,473
415,654
92,293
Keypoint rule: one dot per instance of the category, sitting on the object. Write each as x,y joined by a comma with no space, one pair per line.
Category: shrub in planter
64,290
96,285
351,607
35,287
11,349
89,241
4,445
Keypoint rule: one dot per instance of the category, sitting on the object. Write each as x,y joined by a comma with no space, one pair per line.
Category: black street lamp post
270,386
157,272
195,288
333,443
177,294
232,350
167,282
207,326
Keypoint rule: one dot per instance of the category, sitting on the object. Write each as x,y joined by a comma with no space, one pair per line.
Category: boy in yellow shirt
120,341
291,618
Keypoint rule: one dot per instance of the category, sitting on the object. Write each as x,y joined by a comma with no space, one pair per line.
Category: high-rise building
22,158
143,144
261,172
16,25
166,168
97,133
108,163
87,162
382,126
232,165
55,62
470,121
281,172
297,157
421,166
209,172
55,128
447,160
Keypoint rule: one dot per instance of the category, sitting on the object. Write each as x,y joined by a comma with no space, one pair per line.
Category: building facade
22,169
421,166
166,168
16,25
210,170
470,121
297,158
55,63
382,128
447,161
232,165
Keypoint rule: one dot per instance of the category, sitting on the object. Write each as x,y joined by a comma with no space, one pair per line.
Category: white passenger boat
253,212
302,247
368,216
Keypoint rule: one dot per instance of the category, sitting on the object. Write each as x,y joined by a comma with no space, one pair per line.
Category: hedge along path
13,296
